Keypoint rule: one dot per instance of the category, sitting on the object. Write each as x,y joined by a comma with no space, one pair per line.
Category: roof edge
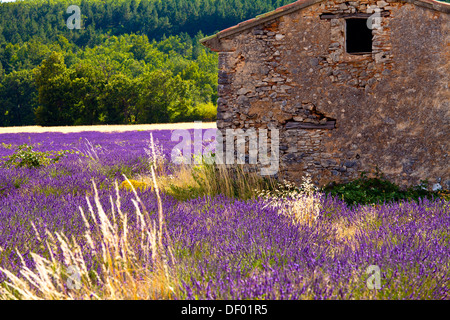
431,4
212,41
269,16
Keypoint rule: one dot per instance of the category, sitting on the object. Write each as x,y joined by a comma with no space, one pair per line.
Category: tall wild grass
120,275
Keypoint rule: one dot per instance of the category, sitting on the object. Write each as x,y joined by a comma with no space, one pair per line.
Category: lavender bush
215,247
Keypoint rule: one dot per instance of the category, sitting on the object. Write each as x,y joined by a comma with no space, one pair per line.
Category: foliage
377,190
154,18
25,156
204,111
126,79
18,98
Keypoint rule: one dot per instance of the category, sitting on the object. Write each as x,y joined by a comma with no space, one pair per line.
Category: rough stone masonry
340,113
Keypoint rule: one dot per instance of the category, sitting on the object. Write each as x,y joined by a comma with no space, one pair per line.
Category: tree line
127,79
23,19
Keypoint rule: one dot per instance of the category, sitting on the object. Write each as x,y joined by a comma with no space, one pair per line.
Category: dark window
359,36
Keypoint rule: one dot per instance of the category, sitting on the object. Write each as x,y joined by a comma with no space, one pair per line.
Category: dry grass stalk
121,274
301,206
210,179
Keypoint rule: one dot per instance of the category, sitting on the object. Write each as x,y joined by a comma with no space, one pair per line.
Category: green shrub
202,111
377,190
25,156
206,112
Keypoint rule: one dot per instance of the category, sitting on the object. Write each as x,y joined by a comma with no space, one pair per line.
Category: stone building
351,85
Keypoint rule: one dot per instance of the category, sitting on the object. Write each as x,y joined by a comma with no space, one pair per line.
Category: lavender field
137,246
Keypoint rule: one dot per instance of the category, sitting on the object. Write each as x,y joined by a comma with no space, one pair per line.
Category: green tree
56,99
87,85
18,96
163,98
119,100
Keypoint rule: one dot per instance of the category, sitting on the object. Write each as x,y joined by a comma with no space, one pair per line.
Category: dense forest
127,79
135,61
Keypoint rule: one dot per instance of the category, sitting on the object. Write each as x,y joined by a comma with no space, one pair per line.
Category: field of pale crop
106,128
127,245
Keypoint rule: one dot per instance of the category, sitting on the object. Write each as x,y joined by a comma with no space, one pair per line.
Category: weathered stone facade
340,114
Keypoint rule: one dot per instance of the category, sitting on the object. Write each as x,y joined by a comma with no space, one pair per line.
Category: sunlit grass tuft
193,181
302,205
138,185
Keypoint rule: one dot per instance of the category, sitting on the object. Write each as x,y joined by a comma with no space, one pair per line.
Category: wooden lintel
305,125
351,15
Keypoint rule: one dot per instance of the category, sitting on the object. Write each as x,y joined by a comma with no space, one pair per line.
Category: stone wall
340,114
